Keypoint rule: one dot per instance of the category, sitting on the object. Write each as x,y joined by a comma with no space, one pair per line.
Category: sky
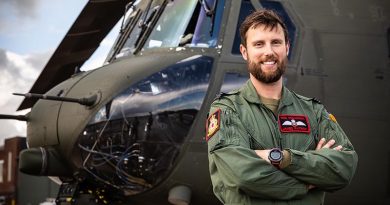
30,31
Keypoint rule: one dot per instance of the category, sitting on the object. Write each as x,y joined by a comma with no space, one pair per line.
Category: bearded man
267,144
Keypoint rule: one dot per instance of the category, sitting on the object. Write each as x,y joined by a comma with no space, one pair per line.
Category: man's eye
276,42
258,44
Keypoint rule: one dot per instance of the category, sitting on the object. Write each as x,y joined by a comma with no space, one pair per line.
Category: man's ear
243,52
288,47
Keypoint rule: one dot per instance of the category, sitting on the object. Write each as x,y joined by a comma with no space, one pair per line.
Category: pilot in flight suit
242,124
265,143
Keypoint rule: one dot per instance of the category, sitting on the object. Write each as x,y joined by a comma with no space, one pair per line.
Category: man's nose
268,49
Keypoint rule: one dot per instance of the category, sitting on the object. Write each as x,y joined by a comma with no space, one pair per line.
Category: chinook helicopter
132,131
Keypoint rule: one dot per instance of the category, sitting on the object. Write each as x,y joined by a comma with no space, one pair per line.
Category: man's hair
268,18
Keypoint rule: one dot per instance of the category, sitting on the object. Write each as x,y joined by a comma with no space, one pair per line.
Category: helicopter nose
42,162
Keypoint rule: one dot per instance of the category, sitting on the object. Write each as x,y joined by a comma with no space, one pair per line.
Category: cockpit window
171,26
178,87
208,24
196,24
180,23
138,16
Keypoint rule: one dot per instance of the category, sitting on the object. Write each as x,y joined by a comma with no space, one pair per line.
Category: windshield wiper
148,25
125,29
143,24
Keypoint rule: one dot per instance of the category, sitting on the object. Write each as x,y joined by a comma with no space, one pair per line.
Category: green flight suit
243,124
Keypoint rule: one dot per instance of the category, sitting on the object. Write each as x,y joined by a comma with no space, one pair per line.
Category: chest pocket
261,133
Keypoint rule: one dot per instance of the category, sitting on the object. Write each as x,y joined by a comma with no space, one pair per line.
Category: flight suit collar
286,97
248,91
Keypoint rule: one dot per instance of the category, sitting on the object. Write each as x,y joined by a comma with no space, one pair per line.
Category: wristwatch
275,157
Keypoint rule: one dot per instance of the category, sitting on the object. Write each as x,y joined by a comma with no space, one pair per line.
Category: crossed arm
238,167
322,144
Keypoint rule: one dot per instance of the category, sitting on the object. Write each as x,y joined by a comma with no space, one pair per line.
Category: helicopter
133,130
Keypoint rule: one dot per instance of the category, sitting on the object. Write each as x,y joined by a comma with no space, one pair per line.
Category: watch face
275,154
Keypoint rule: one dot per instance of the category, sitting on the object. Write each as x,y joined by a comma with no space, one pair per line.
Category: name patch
294,123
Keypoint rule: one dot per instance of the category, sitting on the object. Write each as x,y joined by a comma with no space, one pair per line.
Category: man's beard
255,69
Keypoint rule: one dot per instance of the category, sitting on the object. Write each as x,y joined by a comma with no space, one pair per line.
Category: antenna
87,101
13,117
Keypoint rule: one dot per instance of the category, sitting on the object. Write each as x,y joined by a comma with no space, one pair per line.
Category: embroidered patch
333,118
213,124
294,123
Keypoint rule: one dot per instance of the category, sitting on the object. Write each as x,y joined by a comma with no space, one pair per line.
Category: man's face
266,53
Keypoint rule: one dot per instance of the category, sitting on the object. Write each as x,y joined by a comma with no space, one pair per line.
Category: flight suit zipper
281,140
276,130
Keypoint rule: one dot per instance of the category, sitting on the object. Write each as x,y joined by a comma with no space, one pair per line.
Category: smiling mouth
269,63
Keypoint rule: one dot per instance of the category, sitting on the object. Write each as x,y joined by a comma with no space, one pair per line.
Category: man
268,145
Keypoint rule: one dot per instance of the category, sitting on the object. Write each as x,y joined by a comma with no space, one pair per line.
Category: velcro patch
333,118
213,124
294,123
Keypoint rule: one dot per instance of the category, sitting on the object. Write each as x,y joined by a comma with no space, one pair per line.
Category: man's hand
321,144
263,154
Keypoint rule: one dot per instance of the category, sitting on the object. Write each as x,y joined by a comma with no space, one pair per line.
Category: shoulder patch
333,118
330,116
213,124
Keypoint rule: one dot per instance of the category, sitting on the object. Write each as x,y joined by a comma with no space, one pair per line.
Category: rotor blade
92,25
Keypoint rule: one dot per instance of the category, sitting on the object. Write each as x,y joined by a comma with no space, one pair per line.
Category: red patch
294,123
213,124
